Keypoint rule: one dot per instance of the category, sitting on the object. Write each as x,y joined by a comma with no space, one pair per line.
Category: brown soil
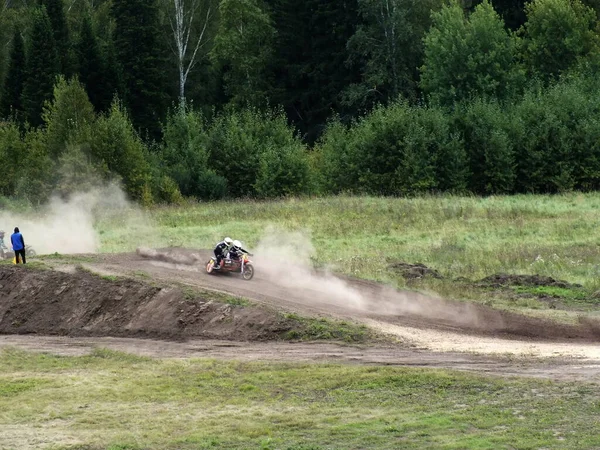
500,280
560,368
384,304
413,271
83,304
76,303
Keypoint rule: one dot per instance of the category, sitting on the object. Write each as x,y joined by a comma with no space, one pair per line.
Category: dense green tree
36,169
396,150
68,117
10,98
14,16
511,11
388,47
185,153
62,38
558,135
141,53
469,57
484,126
558,34
11,149
114,79
92,68
41,69
336,162
310,67
243,48
238,144
115,143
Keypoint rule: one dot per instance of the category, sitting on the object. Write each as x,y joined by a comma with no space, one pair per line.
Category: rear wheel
30,251
248,272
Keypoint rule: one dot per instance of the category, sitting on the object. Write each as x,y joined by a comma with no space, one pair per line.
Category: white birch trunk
182,21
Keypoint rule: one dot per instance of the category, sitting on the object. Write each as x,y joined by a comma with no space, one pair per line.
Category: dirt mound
83,304
379,302
413,271
500,280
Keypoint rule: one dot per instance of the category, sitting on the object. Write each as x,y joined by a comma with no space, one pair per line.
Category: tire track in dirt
459,327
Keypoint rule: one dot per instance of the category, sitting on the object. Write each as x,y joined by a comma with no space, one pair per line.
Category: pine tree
13,86
60,30
142,56
41,69
310,62
113,73
91,68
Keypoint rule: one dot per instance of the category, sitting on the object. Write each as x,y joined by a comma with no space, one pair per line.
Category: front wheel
248,272
210,266
30,252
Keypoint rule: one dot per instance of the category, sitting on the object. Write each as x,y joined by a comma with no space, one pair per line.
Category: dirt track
559,369
436,333
421,320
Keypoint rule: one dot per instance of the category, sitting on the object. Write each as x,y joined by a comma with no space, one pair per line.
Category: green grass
115,400
568,296
66,258
311,329
192,293
460,236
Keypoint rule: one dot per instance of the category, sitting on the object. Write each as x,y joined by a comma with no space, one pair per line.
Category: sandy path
559,369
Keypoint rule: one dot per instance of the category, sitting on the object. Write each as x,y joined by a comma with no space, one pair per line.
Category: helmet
237,244
228,241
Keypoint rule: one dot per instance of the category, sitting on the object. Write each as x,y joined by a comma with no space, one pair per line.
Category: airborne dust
66,225
285,259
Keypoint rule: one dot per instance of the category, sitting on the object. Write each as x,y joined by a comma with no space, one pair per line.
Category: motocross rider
236,250
221,250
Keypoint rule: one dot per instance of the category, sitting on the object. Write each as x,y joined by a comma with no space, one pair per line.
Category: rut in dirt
307,291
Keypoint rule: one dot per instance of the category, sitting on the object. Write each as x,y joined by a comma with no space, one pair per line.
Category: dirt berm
83,304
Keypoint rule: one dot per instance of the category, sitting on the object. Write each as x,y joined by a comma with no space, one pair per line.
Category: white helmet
228,241
237,244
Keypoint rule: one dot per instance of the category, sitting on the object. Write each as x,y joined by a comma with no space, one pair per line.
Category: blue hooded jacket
18,243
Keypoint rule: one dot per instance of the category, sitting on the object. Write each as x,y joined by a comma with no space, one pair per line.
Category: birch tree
186,15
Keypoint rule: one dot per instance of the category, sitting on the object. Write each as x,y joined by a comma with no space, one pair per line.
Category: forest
209,99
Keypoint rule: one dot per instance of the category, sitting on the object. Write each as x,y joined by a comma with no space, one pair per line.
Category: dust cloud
284,258
65,225
173,258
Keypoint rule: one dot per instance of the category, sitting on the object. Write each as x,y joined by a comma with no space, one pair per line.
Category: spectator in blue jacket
18,245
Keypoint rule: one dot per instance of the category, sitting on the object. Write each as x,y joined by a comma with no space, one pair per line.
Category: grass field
461,237
116,401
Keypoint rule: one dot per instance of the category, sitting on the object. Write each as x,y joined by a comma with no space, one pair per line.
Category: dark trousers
219,255
20,253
